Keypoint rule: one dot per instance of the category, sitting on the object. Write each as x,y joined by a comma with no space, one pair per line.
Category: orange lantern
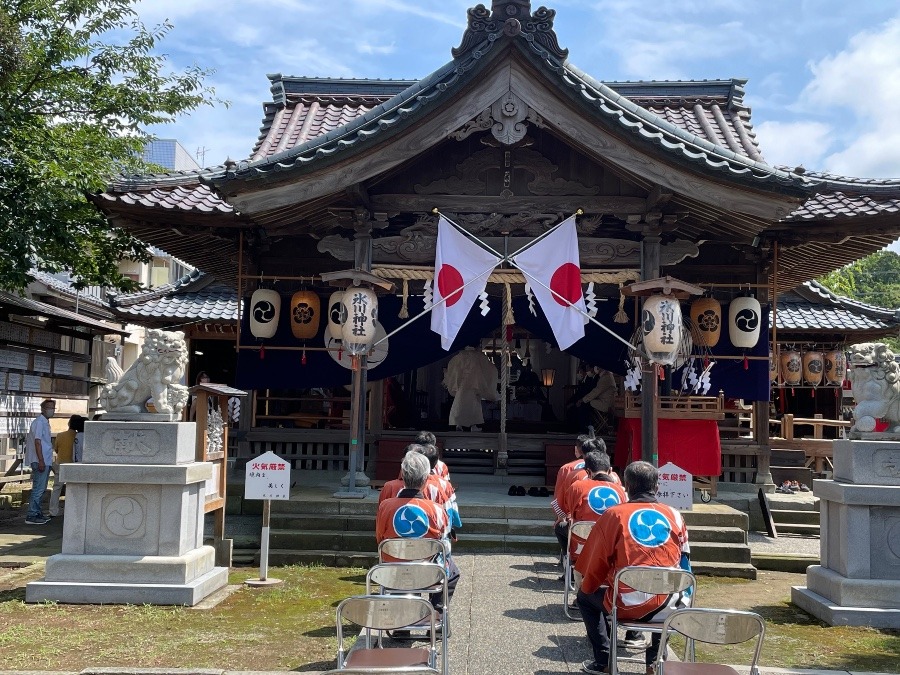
305,314
791,367
706,315
813,368
835,367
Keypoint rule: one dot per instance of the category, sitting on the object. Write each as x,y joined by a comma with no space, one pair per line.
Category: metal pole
264,544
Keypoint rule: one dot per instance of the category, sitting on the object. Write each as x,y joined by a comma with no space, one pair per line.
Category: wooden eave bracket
663,285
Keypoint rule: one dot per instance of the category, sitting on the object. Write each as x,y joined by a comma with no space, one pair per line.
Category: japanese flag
552,263
458,261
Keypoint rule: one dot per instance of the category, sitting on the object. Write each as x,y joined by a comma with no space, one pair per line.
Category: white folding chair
413,550
580,529
649,580
381,613
415,578
713,626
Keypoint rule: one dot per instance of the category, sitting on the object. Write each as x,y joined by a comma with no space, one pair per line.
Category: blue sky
824,75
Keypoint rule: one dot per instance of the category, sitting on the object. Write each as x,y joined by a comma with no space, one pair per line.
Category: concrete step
324,540
720,553
358,559
722,535
797,528
724,569
795,516
784,562
721,517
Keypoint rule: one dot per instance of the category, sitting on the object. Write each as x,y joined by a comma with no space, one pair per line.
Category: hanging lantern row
352,316
812,367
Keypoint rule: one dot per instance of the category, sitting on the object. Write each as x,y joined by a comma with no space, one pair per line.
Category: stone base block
835,615
139,442
845,592
131,569
100,593
868,462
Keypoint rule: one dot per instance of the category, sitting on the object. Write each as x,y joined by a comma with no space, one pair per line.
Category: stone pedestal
858,581
133,528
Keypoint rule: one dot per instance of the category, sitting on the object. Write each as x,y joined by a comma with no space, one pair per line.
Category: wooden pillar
649,381
362,260
761,408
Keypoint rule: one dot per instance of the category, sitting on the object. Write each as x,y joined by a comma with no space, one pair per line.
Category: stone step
358,559
724,569
716,553
795,516
784,562
323,540
716,518
722,535
797,528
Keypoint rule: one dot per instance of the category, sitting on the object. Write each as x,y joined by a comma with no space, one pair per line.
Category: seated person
598,400
410,514
589,498
561,527
614,544
440,490
428,438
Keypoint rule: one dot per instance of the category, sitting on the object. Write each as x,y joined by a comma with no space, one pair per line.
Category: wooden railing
818,450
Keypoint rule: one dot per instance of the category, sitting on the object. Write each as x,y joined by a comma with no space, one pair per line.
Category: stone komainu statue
875,377
153,378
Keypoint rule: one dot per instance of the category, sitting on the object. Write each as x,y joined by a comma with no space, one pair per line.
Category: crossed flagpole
510,258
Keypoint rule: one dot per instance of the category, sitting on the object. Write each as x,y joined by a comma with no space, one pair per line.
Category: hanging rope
508,318
404,311
507,278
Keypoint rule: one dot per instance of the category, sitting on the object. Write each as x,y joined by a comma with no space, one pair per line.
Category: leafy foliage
80,82
874,279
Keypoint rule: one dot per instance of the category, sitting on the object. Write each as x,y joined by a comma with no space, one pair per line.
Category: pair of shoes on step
517,491
533,491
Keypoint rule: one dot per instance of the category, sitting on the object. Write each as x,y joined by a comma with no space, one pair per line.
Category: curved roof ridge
448,72
136,181
664,126
153,293
823,291
889,187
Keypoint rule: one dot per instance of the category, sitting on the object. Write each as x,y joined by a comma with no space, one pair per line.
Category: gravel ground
785,543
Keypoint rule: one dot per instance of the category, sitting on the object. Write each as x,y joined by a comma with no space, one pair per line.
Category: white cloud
368,48
794,143
863,78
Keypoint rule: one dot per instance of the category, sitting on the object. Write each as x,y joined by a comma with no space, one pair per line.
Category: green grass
283,627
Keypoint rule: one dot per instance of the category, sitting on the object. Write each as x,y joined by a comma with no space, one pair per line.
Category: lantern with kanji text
661,328
360,306
835,367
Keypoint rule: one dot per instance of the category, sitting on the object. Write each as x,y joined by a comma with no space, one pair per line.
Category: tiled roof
196,297
737,157
305,108
812,307
28,307
840,205
66,288
178,191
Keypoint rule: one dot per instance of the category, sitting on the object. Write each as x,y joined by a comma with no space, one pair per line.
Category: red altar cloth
691,444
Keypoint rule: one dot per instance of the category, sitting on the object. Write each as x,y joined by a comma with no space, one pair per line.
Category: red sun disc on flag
450,283
566,281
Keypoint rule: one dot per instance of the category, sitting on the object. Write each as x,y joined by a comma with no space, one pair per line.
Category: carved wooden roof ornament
507,119
512,18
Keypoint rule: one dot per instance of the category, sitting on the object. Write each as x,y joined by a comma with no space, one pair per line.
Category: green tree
874,279
80,82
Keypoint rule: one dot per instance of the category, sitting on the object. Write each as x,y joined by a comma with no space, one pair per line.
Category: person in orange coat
569,473
588,499
641,532
428,438
412,515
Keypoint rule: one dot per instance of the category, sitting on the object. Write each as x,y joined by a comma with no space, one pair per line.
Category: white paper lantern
265,308
336,314
661,328
744,319
835,367
361,309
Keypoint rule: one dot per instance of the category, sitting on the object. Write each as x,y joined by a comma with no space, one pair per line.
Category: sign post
268,477
676,487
